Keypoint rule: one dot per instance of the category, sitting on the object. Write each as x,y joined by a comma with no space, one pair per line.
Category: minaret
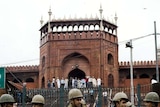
49,26
101,45
101,23
41,21
116,18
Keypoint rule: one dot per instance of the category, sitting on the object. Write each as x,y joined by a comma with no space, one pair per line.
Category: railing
93,96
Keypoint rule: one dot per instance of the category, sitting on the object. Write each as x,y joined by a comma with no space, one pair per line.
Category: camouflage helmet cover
38,99
7,98
74,93
152,97
120,95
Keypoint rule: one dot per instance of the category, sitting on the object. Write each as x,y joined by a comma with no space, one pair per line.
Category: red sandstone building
80,48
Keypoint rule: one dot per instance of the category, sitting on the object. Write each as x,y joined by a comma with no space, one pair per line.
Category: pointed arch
144,76
110,59
75,62
77,73
73,56
110,81
29,80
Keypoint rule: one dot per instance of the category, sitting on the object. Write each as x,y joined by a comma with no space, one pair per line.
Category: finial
50,12
41,21
115,18
100,10
101,23
49,26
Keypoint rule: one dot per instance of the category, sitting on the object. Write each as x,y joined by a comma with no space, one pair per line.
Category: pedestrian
151,99
38,101
66,83
58,82
62,82
94,82
99,82
19,97
75,98
49,84
91,92
6,100
83,83
120,99
70,82
105,94
75,82
90,83
53,82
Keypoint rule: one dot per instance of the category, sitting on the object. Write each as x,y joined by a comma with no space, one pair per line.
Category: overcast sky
20,24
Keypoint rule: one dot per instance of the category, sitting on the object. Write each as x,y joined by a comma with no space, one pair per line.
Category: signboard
2,77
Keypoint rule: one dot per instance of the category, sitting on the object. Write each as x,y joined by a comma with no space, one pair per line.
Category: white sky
20,24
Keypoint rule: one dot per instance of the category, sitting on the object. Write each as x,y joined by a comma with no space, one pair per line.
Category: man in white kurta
58,82
98,82
94,81
66,83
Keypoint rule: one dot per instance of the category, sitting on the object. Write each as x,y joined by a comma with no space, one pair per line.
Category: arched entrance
75,65
77,73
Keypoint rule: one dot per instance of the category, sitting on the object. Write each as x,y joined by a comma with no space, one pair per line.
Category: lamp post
129,45
24,95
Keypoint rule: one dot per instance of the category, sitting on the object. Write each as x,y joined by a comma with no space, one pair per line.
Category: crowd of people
76,99
74,82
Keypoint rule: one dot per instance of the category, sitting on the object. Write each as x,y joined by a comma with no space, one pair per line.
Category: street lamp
129,45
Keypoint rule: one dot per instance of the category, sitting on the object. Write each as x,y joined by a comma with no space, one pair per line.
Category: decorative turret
101,23
49,26
41,21
115,18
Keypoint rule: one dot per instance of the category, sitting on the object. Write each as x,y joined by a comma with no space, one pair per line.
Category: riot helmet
152,97
74,93
38,99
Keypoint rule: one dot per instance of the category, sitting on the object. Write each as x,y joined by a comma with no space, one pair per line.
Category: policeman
75,98
38,101
120,99
151,99
6,100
